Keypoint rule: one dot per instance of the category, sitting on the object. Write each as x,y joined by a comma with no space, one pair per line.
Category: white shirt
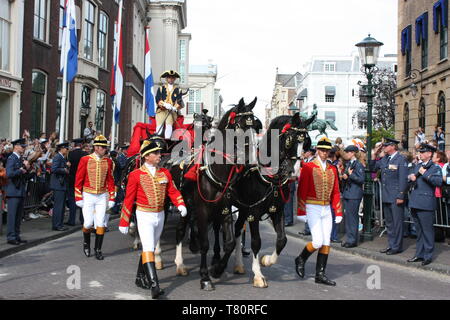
151,168
18,156
170,86
391,157
323,163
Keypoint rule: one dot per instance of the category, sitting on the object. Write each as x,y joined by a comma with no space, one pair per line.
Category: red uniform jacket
317,186
149,192
94,176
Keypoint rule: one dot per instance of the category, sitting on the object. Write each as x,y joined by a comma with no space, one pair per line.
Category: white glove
168,106
80,203
124,230
183,211
111,204
302,219
338,220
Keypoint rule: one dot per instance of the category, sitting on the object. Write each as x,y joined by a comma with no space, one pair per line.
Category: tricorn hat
150,146
170,73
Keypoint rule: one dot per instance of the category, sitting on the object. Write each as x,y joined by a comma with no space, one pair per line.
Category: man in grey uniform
353,178
422,202
394,182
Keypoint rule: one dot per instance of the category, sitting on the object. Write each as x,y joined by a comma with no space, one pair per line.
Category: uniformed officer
169,101
422,202
394,181
58,183
74,158
353,178
16,171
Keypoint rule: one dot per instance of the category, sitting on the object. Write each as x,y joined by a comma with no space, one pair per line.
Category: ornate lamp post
369,50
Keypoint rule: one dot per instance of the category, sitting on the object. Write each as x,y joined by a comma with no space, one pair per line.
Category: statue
319,124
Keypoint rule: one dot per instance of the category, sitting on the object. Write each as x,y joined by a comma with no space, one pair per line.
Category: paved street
41,273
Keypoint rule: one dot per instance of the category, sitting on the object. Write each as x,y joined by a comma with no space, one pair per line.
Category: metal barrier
36,188
441,216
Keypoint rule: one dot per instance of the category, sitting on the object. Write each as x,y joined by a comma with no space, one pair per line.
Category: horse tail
332,125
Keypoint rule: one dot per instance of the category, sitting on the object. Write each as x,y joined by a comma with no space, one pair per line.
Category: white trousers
168,132
150,227
94,208
320,223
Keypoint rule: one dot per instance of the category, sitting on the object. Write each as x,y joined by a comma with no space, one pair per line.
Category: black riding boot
320,270
300,262
150,271
87,243
98,246
141,279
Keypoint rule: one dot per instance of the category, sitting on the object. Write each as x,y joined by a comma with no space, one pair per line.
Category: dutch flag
69,47
117,74
149,95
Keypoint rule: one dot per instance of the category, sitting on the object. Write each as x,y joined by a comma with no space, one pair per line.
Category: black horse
266,194
213,197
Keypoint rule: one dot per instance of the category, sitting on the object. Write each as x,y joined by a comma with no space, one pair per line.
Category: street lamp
369,50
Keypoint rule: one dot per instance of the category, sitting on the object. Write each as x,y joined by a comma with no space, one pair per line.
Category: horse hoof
239,270
207,286
159,265
182,271
260,283
265,261
215,272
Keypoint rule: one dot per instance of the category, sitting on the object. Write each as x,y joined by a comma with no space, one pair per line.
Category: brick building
423,69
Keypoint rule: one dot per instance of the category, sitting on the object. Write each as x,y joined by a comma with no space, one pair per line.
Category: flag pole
113,134
144,108
62,122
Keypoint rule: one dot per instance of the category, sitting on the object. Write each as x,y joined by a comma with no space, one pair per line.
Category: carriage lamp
369,50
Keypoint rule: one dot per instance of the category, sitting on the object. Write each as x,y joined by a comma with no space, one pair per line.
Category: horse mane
224,121
276,124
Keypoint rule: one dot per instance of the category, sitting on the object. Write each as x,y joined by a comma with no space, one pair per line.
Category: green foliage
379,134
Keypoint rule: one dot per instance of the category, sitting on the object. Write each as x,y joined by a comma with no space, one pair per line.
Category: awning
303,94
330,91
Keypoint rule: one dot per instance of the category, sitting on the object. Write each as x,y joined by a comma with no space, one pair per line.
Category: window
100,111
39,85
406,48
330,93
441,111
194,105
40,20
443,42
424,50
61,21
405,127
5,27
422,113
89,23
217,103
360,120
85,107
102,40
182,61
422,37
330,116
330,67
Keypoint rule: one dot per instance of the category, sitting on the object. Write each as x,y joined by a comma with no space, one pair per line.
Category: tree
385,81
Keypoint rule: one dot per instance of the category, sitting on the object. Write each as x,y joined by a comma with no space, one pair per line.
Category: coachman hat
150,146
324,143
170,73
101,141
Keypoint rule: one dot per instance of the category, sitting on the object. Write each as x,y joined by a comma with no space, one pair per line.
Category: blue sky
249,39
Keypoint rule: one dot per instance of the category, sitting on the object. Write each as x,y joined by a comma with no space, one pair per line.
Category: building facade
331,83
423,70
203,93
284,94
11,51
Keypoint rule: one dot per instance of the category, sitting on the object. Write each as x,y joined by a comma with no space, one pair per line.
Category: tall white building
11,49
331,82
203,93
170,46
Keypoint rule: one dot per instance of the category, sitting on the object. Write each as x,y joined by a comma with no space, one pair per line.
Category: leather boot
98,246
141,279
87,244
300,262
150,271
320,270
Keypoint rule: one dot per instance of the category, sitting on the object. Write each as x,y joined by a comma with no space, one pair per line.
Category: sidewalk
371,249
36,232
